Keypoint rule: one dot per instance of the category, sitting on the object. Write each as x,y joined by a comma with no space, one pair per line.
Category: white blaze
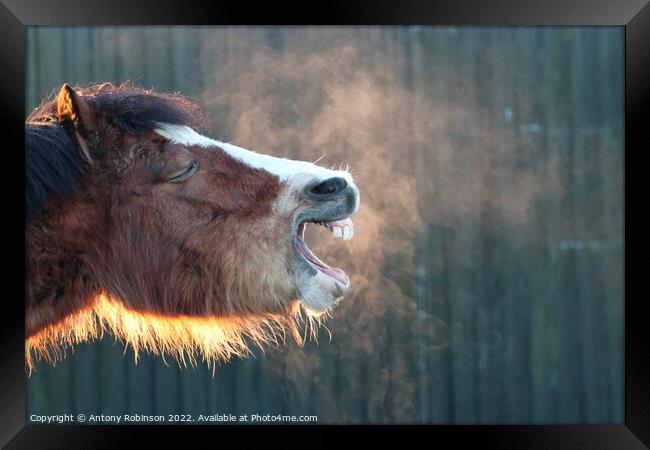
281,167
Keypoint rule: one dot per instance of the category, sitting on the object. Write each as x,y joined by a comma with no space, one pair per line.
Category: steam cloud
313,94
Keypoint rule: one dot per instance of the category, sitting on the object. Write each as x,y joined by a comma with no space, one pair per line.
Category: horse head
172,241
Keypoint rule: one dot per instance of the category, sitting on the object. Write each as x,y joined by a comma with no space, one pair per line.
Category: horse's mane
53,162
52,165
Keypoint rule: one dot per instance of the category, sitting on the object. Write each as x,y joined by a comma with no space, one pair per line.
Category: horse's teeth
341,228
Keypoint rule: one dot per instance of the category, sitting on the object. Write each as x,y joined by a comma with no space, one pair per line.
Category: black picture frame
15,15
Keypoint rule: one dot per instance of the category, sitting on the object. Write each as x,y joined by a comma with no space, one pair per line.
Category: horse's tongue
337,274
335,280
343,228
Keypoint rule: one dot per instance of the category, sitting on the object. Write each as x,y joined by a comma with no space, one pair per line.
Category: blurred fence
489,285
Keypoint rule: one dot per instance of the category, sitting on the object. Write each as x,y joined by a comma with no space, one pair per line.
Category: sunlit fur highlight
187,338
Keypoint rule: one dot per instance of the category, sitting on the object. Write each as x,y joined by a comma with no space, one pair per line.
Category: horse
175,243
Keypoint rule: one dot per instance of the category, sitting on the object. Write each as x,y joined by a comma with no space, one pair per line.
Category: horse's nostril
327,188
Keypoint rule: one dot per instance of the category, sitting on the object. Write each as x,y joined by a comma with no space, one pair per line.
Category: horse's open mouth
340,228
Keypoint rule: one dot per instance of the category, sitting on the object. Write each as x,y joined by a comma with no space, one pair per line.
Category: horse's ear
70,106
72,110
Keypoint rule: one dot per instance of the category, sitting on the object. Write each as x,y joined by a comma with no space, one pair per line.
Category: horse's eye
184,173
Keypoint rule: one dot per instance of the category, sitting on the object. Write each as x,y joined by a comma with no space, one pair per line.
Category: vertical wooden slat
421,268
569,293
389,396
612,170
537,310
483,363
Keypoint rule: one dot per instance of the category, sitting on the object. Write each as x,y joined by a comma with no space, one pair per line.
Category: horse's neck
57,282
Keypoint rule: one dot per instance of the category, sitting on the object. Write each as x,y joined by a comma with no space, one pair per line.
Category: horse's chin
321,292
